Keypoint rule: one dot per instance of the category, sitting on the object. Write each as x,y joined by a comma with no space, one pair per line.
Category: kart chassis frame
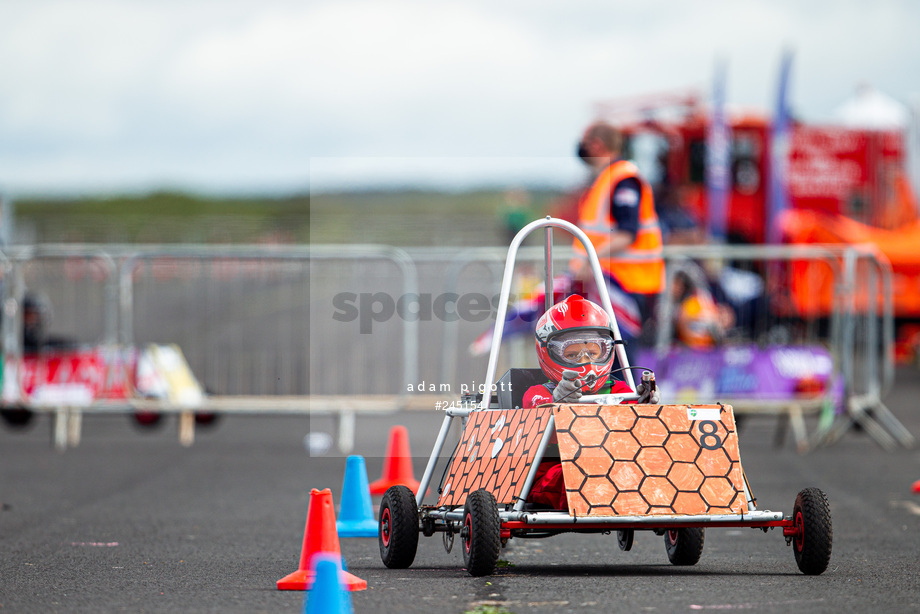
514,520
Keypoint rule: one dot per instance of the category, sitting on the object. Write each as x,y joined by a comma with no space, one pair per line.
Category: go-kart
674,470
78,376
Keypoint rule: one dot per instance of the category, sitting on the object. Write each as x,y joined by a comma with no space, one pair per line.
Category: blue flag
780,136
718,159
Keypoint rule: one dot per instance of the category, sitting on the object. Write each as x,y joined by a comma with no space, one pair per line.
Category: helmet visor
582,347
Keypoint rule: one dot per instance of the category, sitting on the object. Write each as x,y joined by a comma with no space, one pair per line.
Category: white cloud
230,94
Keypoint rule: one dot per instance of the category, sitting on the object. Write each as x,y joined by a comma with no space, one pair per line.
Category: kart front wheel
481,533
397,533
684,545
814,534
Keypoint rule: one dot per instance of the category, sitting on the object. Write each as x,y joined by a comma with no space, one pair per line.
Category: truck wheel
814,534
481,533
684,545
397,535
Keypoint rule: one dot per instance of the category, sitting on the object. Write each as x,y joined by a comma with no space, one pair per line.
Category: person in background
36,317
678,224
515,212
617,213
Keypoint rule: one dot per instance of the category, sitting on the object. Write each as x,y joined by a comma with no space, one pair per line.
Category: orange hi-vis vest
643,272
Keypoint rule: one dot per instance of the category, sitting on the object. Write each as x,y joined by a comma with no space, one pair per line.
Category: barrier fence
813,298
346,329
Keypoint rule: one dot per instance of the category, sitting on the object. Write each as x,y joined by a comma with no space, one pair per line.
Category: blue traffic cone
327,595
356,514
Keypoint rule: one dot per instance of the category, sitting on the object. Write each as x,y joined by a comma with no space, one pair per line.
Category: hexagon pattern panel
495,452
650,460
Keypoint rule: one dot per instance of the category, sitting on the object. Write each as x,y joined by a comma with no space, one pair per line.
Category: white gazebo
870,109
873,110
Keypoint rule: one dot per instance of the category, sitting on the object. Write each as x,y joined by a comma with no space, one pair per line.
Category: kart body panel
617,460
637,460
495,451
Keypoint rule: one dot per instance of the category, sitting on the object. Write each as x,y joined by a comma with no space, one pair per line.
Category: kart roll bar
548,223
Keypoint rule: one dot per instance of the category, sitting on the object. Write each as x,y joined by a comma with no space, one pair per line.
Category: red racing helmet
575,335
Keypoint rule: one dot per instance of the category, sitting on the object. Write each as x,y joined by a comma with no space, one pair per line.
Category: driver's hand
647,390
569,389
647,396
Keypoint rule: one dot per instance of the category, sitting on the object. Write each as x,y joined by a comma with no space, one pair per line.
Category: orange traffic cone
319,537
397,465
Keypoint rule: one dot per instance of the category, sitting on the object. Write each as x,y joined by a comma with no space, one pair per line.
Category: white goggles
581,347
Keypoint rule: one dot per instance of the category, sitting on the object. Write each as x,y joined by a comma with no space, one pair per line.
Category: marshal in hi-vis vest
642,271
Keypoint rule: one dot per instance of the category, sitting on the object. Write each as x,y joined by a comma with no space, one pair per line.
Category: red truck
845,185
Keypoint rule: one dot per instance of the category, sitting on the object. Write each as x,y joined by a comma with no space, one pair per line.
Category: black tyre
625,538
814,535
684,545
206,418
397,535
147,419
481,533
17,417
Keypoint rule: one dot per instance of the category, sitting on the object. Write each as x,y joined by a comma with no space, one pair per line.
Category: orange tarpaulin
811,283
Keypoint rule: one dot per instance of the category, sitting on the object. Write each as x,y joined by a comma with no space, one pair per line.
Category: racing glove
569,389
647,390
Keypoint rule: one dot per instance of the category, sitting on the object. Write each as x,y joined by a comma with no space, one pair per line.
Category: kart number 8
709,438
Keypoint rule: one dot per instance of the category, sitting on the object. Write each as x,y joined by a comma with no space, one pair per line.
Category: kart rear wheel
625,539
814,534
481,533
397,533
684,545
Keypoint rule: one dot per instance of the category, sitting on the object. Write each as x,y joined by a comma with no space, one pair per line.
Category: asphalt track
132,521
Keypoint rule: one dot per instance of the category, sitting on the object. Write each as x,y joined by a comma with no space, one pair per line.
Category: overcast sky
222,96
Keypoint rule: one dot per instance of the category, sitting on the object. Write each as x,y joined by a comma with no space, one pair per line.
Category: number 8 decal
709,439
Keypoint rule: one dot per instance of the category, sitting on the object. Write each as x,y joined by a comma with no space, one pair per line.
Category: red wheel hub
385,527
796,531
799,531
672,536
468,525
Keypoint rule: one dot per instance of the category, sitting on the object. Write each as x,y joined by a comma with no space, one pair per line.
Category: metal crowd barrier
240,314
349,329
859,333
